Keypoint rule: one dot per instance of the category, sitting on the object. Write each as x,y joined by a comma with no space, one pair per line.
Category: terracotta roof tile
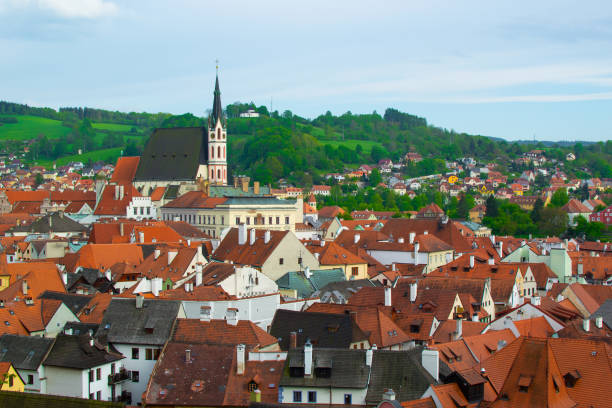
221,333
125,169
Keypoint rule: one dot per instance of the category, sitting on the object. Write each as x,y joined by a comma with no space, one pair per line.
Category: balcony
125,397
119,377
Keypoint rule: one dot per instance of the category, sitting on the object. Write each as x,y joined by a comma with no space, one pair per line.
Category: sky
510,69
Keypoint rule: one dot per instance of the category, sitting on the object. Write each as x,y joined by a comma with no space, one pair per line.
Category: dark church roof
217,111
173,154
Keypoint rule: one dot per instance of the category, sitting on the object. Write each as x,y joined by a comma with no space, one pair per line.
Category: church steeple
217,110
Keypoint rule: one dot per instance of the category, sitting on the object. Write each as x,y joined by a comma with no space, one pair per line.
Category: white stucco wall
142,365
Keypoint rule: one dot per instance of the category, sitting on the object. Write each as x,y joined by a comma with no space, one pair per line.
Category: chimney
393,267
65,278
242,234
198,274
139,301
580,269
68,331
586,325
232,316
156,253
307,359
471,261
491,261
387,296
369,355
307,272
430,360
266,237
252,237
108,275
322,243
292,340
121,228
256,187
492,238
205,313
121,192
245,185
425,232
116,192
411,237
388,395
171,255
240,355
413,292
500,250
156,286
188,356
24,287
400,240
599,322
356,238
475,317
91,342
459,329
416,253
141,237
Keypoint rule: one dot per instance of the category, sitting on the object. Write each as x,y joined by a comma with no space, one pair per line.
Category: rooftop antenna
217,66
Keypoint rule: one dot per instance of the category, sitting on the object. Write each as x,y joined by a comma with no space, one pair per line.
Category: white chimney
369,355
141,237
242,234
139,301
156,286
156,253
91,342
121,192
393,267
471,261
307,272
240,359
65,278
586,325
599,322
500,249
108,275
24,287
580,269
322,243
205,313
266,236
389,395
411,237
535,300
425,232
188,355
116,192
413,292
171,255
252,236
387,296
308,359
356,238
430,360
492,238
232,316
491,261
400,240
198,274
416,253
459,329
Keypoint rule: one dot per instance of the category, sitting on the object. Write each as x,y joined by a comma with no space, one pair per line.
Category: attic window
252,386
524,382
571,378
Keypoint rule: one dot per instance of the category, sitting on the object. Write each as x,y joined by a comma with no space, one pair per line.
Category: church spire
217,110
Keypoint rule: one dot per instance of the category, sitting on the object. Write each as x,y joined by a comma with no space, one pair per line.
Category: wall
289,249
62,316
67,381
324,395
142,365
248,282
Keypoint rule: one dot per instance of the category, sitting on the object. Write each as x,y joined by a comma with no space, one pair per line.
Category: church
186,155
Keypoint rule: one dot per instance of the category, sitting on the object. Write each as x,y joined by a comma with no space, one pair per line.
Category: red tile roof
255,255
195,199
125,169
221,333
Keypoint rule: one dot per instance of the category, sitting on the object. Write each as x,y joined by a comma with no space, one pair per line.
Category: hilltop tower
217,141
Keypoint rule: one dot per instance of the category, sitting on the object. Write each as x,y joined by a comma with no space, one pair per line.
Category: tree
466,203
583,192
536,213
375,177
540,181
38,180
492,207
559,198
553,221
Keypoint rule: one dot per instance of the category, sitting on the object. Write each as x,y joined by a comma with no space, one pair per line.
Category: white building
141,208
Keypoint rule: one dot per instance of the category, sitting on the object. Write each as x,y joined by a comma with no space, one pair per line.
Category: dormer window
524,382
252,386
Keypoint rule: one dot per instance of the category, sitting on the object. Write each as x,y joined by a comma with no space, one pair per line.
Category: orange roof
195,199
220,332
331,212
534,327
308,209
125,169
450,396
94,311
447,328
199,293
102,256
420,403
15,196
334,254
158,193
247,254
109,206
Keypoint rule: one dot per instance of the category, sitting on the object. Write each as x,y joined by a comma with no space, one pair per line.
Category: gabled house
26,354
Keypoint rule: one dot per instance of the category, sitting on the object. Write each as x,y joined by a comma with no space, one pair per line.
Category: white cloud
88,9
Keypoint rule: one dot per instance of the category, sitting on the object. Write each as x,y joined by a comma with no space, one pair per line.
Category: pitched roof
24,352
574,206
334,254
330,211
304,286
56,222
173,154
125,169
220,332
447,329
230,250
74,302
108,205
124,323
102,256
195,199
447,232
71,351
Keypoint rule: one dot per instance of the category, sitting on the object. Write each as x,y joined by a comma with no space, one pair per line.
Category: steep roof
445,231
220,332
306,286
76,352
108,205
124,323
125,169
24,352
56,222
230,250
334,254
217,110
102,256
195,199
173,154
574,206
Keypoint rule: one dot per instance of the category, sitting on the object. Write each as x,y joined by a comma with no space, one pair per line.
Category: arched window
219,174
218,151
224,152
212,174
212,152
218,133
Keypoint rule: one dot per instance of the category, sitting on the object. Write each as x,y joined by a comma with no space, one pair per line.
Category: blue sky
510,69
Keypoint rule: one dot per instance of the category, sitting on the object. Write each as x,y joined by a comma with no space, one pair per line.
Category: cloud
70,9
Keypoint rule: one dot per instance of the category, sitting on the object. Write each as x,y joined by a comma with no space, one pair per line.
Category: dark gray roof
124,323
400,371
325,330
56,222
173,154
24,352
217,110
76,352
74,302
341,292
348,368
81,328
605,311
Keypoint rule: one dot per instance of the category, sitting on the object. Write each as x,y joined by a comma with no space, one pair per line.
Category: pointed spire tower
217,140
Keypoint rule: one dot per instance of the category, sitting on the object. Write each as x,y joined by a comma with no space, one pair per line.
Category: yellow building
332,256
11,381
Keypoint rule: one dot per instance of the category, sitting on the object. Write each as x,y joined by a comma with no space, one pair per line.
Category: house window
98,374
297,396
277,220
149,354
355,271
30,379
135,376
270,220
113,368
99,395
222,220
156,353
312,396
91,375
135,353
348,399
252,386
237,220
299,261
248,220
91,396
281,261
286,220
10,380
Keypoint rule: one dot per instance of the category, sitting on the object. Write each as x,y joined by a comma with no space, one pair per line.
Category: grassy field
365,144
115,127
29,127
107,155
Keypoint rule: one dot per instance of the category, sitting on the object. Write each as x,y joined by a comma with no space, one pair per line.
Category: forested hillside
279,145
